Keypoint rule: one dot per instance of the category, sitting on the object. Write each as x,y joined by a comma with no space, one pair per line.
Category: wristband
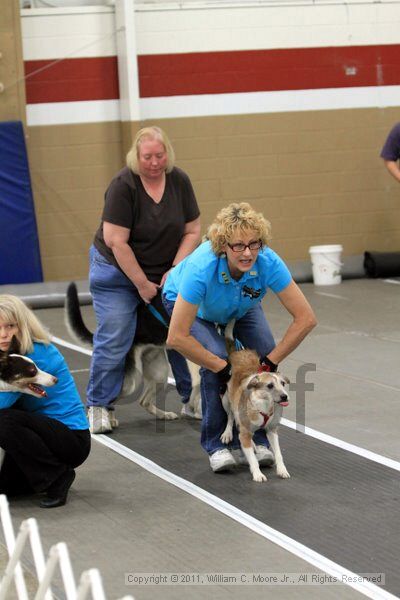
224,374
268,365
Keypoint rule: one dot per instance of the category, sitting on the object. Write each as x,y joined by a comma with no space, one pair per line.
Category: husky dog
146,363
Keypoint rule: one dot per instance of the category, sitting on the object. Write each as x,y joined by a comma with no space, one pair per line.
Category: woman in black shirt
150,223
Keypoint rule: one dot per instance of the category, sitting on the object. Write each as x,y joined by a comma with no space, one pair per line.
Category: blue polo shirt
203,278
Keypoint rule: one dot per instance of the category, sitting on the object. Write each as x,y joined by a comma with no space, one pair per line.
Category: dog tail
73,317
229,339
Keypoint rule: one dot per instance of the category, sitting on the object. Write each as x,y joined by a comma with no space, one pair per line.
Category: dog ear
253,383
15,347
285,379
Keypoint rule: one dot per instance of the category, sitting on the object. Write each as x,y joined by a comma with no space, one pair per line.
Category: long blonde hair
234,218
30,329
150,133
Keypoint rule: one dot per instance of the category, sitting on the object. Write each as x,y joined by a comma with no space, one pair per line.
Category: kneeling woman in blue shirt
44,439
226,278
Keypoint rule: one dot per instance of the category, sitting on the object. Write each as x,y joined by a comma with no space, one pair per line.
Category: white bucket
326,264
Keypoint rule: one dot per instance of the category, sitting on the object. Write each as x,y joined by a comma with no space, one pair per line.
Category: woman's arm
179,337
303,322
190,240
116,238
393,168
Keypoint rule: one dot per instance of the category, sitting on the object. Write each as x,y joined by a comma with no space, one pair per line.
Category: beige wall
316,175
71,166
12,85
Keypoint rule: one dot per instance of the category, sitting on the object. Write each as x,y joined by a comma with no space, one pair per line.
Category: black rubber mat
339,504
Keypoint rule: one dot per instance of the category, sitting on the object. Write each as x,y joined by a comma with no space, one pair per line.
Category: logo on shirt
251,292
225,277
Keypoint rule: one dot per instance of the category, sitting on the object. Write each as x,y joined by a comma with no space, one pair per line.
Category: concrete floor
123,519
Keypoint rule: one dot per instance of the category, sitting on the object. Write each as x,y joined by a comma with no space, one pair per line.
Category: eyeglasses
242,247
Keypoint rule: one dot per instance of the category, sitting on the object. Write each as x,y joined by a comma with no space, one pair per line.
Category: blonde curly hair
30,329
150,133
233,218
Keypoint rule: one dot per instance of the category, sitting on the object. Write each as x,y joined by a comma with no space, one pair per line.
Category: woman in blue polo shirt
44,438
226,278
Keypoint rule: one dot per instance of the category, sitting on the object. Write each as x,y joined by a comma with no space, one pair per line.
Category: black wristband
268,363
224,374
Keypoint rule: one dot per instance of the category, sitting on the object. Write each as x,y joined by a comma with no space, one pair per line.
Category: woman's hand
147,290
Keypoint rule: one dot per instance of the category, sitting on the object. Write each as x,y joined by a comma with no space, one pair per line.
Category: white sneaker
222,460
99,419
264,456
188,412
113,419
239,456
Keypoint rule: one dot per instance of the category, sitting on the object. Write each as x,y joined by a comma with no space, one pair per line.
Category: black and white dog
20,374
146,364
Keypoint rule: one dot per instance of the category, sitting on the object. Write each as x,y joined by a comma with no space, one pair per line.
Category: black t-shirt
156,229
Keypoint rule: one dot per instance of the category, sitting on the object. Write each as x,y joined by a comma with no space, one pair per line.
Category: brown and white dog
255,398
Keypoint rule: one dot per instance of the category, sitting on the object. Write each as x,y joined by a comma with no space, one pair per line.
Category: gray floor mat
337,503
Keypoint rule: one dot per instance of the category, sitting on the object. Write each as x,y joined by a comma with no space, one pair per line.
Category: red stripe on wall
72,79
268,70
216,73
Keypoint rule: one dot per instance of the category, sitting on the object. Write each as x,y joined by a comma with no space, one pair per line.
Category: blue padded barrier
19,244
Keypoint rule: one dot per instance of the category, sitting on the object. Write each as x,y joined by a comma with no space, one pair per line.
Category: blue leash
238,343
157,315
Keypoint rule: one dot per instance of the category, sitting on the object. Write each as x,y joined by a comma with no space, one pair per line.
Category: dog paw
283,473
170,416
226,438
259,477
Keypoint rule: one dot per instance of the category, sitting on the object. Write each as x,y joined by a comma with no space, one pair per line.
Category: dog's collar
264,369
265,417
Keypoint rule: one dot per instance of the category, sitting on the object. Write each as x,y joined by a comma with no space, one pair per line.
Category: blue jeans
254,333
115,302
181,373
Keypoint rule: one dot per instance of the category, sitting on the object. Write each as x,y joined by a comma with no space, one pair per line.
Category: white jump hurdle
90,584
